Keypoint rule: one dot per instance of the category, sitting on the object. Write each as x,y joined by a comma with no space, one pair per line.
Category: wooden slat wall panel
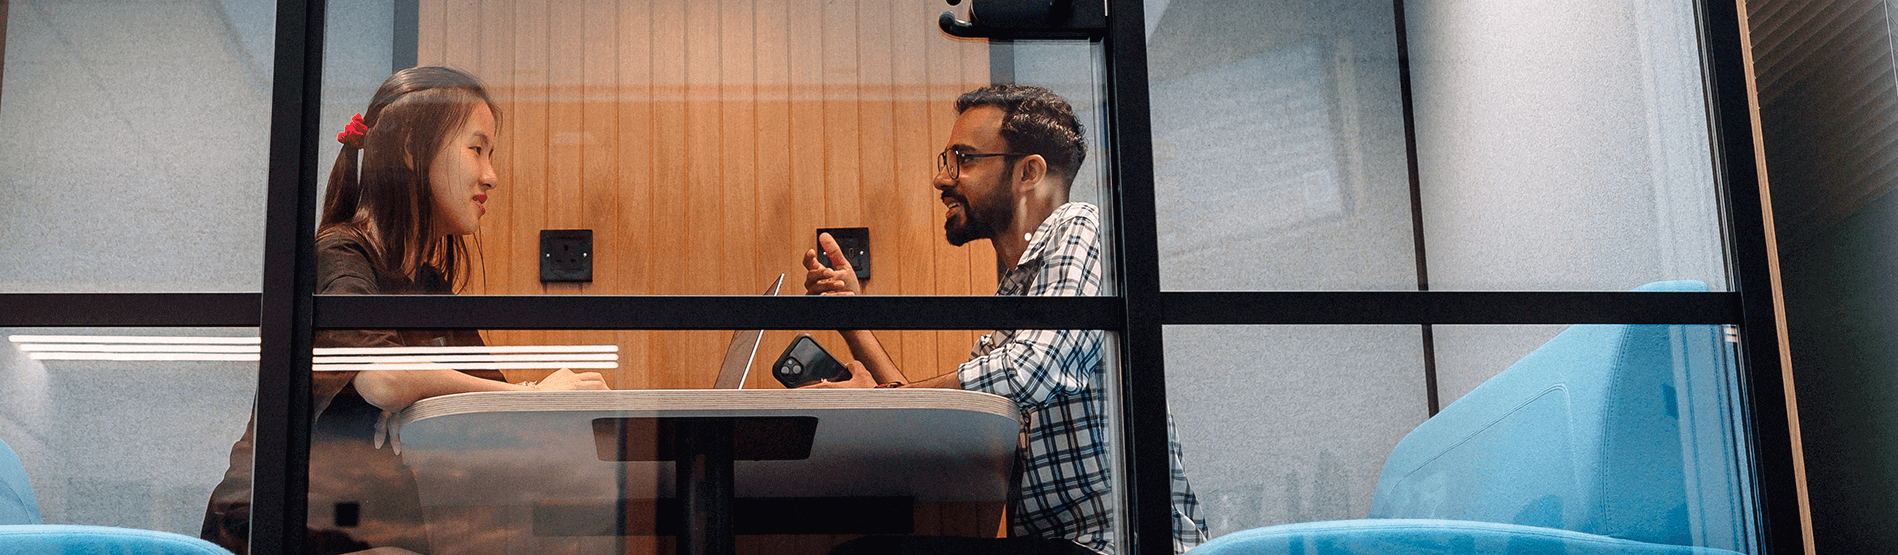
704,142
599,148
775,156
804,90
526,99
632,264
497,66
667,239
912,252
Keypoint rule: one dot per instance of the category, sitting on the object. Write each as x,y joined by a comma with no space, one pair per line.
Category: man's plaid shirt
1055,376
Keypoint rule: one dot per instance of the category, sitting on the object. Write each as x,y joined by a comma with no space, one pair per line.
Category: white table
527,449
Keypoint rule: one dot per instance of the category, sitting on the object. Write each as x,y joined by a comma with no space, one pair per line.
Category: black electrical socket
566,255
855,241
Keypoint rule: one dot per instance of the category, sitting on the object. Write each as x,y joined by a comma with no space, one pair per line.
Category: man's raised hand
840,280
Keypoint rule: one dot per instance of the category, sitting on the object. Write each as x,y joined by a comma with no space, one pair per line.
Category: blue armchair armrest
60,539
1430,537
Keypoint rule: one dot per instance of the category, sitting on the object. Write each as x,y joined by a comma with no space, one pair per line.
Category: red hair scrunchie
352,133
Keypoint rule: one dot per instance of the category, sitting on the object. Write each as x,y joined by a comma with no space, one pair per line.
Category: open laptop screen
744,346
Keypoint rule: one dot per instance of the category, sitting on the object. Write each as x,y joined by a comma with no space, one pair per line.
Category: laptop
744,346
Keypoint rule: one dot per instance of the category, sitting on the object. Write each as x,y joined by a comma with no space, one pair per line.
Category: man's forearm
945,381
867,350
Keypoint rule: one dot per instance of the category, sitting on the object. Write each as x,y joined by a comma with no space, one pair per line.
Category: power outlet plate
855,241
566,255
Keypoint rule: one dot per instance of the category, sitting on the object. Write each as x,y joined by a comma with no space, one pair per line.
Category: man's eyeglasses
951,160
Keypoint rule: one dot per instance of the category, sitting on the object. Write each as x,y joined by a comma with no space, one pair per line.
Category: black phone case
804,362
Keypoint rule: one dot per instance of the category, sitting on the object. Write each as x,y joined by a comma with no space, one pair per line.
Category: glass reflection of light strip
246,349
137,347
466,366
131,339
499,357
326,351
167,348
469,358
146,356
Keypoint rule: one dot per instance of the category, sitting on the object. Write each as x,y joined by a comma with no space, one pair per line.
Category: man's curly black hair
1034,121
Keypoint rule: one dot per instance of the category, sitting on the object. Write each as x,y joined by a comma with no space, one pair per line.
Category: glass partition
697,148
129,428
526,464
701,146
1635,433
134,151
1280,147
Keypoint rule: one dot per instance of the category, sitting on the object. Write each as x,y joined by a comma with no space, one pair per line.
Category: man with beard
1004,177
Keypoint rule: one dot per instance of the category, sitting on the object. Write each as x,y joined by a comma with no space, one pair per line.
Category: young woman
392,223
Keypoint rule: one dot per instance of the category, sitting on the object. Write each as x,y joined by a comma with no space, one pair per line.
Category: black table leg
703,468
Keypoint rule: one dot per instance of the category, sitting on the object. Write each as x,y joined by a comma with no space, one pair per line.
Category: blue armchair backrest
1624,431
17,504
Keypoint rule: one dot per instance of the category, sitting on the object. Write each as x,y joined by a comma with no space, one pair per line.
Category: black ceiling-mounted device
1028,19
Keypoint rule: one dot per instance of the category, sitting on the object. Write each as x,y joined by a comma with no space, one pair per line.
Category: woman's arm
394,390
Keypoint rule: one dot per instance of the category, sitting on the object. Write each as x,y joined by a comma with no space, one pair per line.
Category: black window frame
287,311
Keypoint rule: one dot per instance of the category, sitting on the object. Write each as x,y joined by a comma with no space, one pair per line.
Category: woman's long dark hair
387,204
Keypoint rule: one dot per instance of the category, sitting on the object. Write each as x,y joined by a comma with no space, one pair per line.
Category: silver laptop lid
744,346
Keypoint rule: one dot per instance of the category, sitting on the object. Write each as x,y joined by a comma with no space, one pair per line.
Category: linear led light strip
137,347
465,366
107,348
325,351
245,349
213,357
539,357
132,339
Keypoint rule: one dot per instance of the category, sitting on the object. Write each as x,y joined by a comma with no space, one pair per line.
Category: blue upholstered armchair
21,532
1607,439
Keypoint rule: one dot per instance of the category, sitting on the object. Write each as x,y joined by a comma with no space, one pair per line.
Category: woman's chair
1607,439
21,531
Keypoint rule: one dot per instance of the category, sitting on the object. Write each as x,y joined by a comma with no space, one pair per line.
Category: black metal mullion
1448,307
714,312
978,313
1731,117
280,488
1143,349
195,310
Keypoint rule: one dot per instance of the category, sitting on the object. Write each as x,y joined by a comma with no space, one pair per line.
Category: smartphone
804,362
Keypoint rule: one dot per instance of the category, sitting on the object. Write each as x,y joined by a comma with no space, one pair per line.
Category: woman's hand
567,380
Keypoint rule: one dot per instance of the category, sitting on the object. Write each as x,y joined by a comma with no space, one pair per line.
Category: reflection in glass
1278,147
1633,432
124,427
1291,423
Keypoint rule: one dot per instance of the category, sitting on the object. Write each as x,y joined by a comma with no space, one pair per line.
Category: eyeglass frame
942,159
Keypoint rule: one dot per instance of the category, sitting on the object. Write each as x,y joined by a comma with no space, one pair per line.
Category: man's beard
977,222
